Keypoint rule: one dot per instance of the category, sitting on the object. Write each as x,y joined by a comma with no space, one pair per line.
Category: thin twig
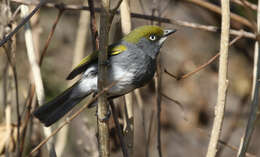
209,28
222,81
69,119
254,95
129,114
50,36
234,124
114,10
10,54
249,4
140,103
20,25
158,104
119,129
148,141
93,26
26,120
102,107
201,66
36,73
217,9
175,101
231,147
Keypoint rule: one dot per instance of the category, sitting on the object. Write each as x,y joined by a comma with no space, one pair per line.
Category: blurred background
185,128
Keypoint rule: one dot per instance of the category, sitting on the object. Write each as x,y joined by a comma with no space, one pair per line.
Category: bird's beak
168,32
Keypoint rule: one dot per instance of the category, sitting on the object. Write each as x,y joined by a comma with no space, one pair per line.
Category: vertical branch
129,125
20,25
10,54
93,25
36,73
79,49
50,36
119,129
254,95
222,81
81,38
102,108
158,84
8,127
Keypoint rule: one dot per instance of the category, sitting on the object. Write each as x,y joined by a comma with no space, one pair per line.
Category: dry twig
20,25
129,115
36,73
102,108
201,66
249,4
217,9
209,28
254,95
222,81
93,26
119,129
69,119
50,35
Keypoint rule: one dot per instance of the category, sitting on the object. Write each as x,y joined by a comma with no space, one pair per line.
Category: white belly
123,79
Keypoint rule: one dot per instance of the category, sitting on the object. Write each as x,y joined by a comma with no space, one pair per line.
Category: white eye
152,37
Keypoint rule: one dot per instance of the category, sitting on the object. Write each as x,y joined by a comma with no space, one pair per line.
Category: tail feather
52,111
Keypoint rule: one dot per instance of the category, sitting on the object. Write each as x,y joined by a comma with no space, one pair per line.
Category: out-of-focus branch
81,38
69,119
93,26
9,50
50,35
222,81
79,52
20,25
174,101
254,95
249,4
148,141
102,108
158,81
201,66
209,28
223,143
36,73
119,129
217,9
129,117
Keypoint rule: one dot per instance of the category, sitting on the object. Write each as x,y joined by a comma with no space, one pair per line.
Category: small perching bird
131,64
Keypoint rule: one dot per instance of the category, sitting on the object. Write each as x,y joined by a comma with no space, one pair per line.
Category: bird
131,64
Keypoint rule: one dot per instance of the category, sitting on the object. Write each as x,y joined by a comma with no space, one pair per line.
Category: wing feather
83,65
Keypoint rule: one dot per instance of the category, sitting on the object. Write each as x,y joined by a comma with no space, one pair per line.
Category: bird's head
149,38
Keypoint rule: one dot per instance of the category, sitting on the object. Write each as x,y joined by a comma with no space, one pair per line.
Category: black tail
52,111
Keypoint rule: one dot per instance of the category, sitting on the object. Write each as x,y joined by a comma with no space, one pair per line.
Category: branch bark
209,28
25,20
217,9
36,74
222,81
129,122
102,108
254,96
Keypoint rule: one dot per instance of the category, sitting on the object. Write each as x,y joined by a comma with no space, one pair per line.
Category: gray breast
138,63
